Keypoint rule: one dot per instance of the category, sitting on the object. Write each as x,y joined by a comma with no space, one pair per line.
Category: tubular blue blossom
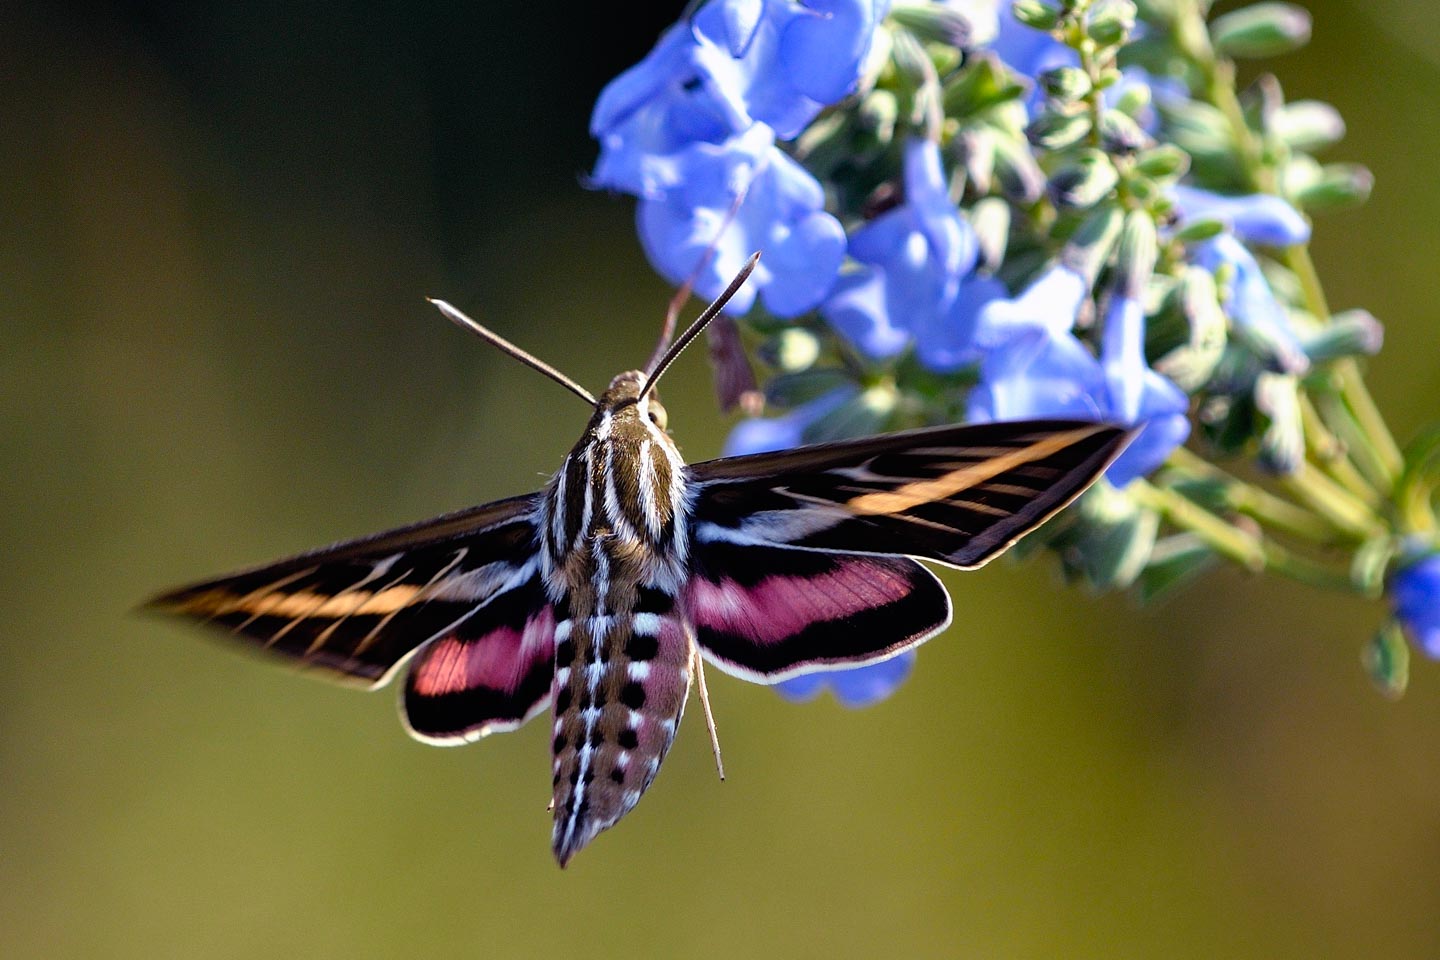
1040,374
1050,304
917,281
854,687
1415,597
789,60
763,434
1253,218
1252,306
678,95
782,215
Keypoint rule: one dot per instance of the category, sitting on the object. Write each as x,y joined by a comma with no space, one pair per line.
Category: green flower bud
1351,333
1121,135
982,84
1197,128
791,350
1056,129
1175,561
1134,100
1084,181
1261,30
1114,539
1109,22
1308,125
1197,231
974,150
1386,659
1020,177
1164,162
934,23
1089,247
990,219
1135,255
1035,13
1340,185
1065,84
1282,445
1191,364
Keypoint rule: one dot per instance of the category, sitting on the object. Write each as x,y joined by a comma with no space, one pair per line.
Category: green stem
1333,502
1225,539
1257,503
1254,553
1330,452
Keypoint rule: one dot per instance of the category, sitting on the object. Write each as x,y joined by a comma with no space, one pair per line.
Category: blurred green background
220,221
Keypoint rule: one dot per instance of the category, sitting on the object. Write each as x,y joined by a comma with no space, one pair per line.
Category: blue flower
678,95
855,686
782,216
1254,218
789,60
917,281
1252,306
1415,596
1045,374
734,64
1050,305
763,434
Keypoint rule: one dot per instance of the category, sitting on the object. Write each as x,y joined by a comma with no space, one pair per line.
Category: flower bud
983,83
1135,256
1308,125
1340,185
1282,445
1114,539
1109,22
1020,177
1197,128
1386,659
974,152
1164,162
990,219
1175,561
1090,245
1121,135
1261,30
1056,129
934,23
1065,84
1084,181
1350,333
1035,13
1192,364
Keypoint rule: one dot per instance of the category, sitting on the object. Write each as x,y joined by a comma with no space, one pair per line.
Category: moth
602,596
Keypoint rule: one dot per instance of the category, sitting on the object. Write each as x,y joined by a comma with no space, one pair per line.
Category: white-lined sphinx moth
600,595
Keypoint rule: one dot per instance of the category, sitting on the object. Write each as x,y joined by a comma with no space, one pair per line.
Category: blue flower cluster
1010,230
692,131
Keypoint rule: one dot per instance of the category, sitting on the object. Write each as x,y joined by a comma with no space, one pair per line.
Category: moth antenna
494,339
699,325
682,293
705,707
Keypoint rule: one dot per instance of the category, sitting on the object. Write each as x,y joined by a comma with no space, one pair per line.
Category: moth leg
698,665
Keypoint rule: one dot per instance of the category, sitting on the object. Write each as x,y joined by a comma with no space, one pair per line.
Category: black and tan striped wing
958,495
359,608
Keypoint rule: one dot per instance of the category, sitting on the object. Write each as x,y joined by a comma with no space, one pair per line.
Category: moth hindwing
601,596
